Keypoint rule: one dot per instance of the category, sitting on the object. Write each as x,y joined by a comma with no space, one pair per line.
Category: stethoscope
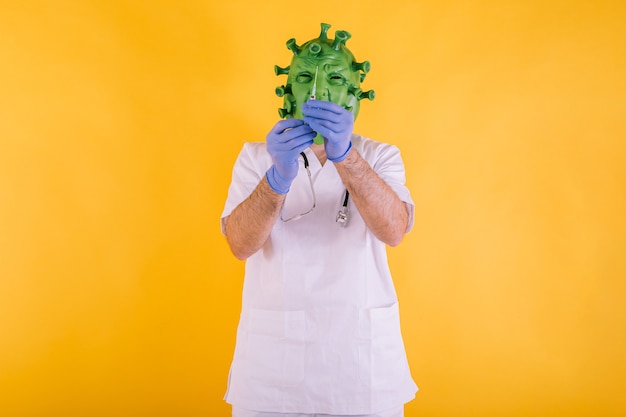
342,215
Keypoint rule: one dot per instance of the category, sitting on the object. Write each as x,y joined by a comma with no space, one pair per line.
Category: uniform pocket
275,347
382,358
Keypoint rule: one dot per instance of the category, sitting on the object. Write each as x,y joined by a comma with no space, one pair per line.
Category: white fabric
239,412
319,331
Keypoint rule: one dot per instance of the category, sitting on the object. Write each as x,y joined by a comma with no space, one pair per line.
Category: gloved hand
334,123
284,143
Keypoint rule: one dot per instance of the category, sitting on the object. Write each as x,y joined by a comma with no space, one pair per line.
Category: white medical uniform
319,330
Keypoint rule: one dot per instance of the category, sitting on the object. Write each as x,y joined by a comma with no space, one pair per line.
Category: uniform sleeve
249,169
388,164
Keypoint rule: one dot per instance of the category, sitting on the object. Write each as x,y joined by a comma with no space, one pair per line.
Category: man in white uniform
312,210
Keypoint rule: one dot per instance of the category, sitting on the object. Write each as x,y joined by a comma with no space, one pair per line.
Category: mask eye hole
336,79
304,78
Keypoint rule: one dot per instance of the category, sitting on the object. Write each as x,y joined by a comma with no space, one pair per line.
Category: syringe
319,139
312,97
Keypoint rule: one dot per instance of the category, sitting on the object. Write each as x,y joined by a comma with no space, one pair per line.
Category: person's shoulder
368,146
253,154
254,146
254,150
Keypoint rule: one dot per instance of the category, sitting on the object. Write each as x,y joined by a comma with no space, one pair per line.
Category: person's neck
320,153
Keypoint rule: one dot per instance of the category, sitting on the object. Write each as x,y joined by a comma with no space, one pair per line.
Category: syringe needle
314,85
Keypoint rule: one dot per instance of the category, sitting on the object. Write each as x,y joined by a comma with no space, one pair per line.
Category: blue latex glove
334,123
284,143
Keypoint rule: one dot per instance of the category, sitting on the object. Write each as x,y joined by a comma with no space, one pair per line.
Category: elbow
241,250
390,234
398,230
237,249
395,239
239,253
391,237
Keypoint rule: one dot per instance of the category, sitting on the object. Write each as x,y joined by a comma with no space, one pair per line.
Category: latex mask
328,65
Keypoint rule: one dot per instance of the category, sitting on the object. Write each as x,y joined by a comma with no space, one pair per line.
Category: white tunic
319,330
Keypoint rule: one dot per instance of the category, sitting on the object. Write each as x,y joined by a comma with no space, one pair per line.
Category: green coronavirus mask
327,68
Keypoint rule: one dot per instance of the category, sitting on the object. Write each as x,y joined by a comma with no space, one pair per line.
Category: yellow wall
119,124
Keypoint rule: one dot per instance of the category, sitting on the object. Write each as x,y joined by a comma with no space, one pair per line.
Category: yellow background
119,125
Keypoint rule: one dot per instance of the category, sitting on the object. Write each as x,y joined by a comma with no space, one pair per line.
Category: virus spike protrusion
281,71
289,106
314,49
323,34
291,44
341,36
283,89
361,66
367,94
355,91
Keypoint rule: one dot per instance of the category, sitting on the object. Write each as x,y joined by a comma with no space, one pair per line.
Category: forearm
250,223
381,208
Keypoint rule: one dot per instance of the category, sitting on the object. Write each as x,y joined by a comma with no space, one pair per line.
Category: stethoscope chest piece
343,214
